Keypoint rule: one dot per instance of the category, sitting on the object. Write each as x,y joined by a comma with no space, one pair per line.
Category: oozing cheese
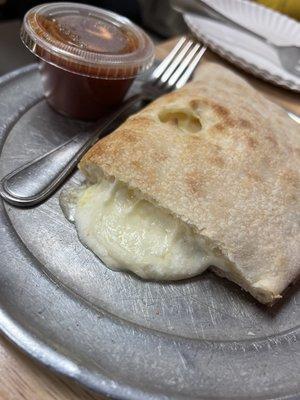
130,233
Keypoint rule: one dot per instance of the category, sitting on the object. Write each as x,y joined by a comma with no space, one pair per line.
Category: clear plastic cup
89,56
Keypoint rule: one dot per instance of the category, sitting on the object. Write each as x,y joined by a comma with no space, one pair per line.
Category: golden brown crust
236,179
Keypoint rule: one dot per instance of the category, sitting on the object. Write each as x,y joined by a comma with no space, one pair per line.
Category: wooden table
20,377
24,379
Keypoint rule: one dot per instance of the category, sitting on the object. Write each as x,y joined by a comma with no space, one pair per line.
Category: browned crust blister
236,180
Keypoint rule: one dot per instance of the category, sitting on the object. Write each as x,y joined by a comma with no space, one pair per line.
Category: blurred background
156,16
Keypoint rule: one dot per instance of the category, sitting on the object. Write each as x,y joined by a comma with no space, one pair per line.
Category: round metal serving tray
202,338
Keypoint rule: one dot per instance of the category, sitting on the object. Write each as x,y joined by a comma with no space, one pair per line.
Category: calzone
207,176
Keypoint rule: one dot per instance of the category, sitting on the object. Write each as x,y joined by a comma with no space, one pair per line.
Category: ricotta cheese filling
128,232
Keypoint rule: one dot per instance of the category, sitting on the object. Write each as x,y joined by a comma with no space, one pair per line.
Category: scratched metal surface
119,335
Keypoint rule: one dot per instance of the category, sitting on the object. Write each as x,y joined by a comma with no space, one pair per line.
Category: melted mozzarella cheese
130,233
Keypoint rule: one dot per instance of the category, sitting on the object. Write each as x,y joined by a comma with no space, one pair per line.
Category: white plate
245,51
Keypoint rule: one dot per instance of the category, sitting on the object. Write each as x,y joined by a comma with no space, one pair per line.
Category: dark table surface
13,53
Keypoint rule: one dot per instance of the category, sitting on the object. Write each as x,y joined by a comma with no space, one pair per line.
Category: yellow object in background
288,7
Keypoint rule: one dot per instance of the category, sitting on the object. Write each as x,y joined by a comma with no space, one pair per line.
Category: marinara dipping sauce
89,56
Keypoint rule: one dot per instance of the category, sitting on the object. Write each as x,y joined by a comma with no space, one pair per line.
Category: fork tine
190,69
160,69
182,66
175,63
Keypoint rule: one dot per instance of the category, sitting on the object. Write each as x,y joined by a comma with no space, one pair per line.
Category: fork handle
35,181
196,6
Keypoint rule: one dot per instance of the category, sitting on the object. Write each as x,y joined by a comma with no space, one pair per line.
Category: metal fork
34,182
